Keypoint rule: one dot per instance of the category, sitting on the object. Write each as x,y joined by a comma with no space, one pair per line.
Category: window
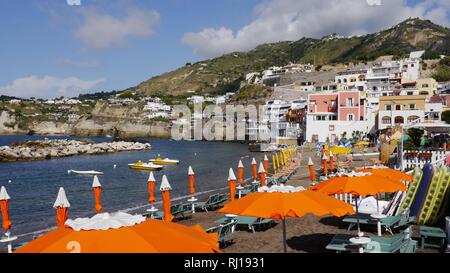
425,85
409,93
386,120
399,120
412,118
350,117
331,128
349,102
398,107
412,106
388,107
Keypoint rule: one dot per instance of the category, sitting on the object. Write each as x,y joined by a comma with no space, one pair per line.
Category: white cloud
104,30
48,86
281,20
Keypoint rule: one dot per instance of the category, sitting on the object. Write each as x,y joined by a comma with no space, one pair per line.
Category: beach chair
347,164
249,189
223,231
178,212
393,244
213,201
248,221
389,223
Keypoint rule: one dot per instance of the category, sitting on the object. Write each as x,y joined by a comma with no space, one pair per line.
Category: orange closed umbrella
262,174
151,188
331,161
287,204
165,189
388,173
61,205
254,169
97,188
4,204
324,164
191,180
266,164
240,172
149,236
311,170
232,182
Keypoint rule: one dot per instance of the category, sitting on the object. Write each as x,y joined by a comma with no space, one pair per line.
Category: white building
353,79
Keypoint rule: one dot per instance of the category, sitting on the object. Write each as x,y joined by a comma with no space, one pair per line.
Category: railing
412,159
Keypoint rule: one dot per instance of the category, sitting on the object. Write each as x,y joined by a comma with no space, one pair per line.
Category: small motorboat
91,172
145,166
164,161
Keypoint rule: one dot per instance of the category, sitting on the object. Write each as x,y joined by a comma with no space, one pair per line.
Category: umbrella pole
357,216
284,235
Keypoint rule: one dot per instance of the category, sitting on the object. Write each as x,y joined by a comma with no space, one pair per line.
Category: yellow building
427,86
400,110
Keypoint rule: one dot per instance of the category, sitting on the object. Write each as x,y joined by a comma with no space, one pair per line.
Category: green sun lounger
389,223
224,232
248,221
213,201
178,211
393,244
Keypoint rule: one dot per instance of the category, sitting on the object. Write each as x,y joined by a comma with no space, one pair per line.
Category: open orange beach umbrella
279,205
359,184
389,173
150,236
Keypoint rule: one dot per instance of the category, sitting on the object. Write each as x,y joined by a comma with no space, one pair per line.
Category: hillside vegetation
225,73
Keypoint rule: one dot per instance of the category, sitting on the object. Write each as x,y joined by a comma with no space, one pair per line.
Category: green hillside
223,74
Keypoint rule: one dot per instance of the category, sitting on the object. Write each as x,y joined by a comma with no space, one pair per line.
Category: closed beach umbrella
279,204
232,182
97,188
240,172
331,161
61,205
123,233
4,204
358,184
191,180
262,174
324,164
254,168
312,176
165,189
266,164
151,188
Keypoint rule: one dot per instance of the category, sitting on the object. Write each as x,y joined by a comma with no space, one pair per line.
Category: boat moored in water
164,161
145,166
92,172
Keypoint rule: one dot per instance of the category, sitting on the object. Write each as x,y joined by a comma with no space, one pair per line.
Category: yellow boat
145,166
164,161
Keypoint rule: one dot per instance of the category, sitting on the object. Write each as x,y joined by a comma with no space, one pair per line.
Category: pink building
332,114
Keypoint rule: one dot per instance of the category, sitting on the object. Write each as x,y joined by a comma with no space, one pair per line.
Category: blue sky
48,48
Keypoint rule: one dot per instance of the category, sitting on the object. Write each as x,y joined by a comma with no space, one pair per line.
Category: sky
52,48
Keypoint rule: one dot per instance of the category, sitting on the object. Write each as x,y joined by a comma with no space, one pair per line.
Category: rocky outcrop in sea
48,149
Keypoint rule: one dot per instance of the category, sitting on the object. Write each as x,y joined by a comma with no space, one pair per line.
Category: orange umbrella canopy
389,173
279,205
369,184
150,236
